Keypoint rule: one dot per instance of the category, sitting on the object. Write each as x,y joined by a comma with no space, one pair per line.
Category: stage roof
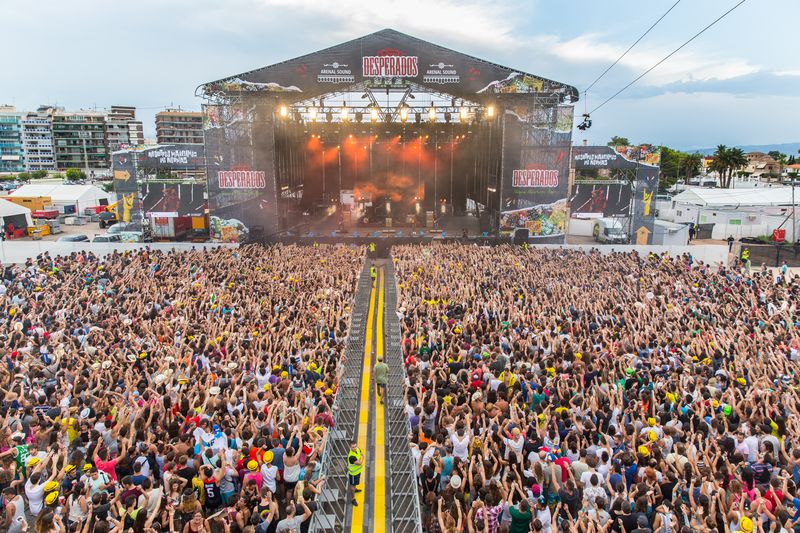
388,58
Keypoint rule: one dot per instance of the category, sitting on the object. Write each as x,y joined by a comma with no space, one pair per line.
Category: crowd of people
185,392
557,390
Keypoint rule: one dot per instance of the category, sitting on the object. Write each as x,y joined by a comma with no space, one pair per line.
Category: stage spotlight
417,117
359,116
312,114
329,116
490,111
432,114
344,113
284,111
586,124
373,114
447,116
403,114
463,114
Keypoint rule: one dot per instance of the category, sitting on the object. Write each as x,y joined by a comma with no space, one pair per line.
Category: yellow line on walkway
379,494
357,519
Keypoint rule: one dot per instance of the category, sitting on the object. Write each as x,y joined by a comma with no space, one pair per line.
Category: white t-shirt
268,474
460,447
35,495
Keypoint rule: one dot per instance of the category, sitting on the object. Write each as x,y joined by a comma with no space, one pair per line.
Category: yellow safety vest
354,469
373,272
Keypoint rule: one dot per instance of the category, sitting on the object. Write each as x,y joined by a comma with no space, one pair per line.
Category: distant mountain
786,148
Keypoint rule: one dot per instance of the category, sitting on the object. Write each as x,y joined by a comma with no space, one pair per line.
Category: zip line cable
631,46
696,35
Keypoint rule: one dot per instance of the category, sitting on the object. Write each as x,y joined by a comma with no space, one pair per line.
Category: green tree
726,162
671,167
691,165
23,176
619,141
75,174
39,174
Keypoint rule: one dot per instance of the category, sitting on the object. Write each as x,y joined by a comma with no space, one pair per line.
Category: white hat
131,357
213,391
17,326
233,365
159,379
85,412
106,364
127,322
455,482
169,359
95,365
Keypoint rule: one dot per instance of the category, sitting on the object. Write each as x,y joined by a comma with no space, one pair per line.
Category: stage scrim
383,131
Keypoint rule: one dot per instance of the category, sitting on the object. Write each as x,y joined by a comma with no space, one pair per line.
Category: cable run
631,46
698,34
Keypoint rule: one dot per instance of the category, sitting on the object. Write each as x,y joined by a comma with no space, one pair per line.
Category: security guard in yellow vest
373,273
372,248
355,465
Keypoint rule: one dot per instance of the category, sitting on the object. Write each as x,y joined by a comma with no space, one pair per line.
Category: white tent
14,214
715,198
80,196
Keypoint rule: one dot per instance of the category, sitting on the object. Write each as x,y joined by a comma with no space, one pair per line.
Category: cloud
590,49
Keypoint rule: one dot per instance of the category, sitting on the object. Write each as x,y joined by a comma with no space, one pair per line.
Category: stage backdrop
644,160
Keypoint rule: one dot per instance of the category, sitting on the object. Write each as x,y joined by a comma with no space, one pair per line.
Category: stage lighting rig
490,111
359,116
432,114
284,111
344,112
586,124
403,114
373,114
312,114
463,114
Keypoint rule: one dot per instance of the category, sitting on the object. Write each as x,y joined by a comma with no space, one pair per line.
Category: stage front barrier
17,252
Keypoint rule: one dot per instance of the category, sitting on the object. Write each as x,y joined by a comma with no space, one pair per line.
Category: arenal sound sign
390,66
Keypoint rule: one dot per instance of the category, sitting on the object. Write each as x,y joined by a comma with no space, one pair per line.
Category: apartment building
11,154
37,140
175,126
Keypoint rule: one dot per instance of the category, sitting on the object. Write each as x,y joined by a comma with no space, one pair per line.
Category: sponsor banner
240,154
241,179
390,66
535,170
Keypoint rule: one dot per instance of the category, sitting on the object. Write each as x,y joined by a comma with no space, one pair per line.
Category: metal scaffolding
333,501
403,499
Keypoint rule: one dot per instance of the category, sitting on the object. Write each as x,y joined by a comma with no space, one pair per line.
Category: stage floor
328,225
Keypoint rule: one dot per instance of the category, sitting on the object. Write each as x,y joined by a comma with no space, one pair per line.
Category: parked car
74,238
107,238
115,229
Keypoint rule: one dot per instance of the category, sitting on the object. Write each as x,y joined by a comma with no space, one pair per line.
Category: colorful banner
242,197
535,170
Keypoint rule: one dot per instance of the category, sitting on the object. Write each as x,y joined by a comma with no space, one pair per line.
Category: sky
739,83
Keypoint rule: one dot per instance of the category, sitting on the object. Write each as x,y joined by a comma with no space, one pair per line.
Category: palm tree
736,160
690,164
720,163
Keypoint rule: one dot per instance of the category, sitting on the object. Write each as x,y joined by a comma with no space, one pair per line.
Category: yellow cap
33,461
651,421
746,524
643,451
268,456
328,392
652,436
87,467
252,465
741,381
50,486
51,498
284,374
69,468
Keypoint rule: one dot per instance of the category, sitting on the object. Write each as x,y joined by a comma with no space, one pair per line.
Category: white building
67,198
735,212
37,140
